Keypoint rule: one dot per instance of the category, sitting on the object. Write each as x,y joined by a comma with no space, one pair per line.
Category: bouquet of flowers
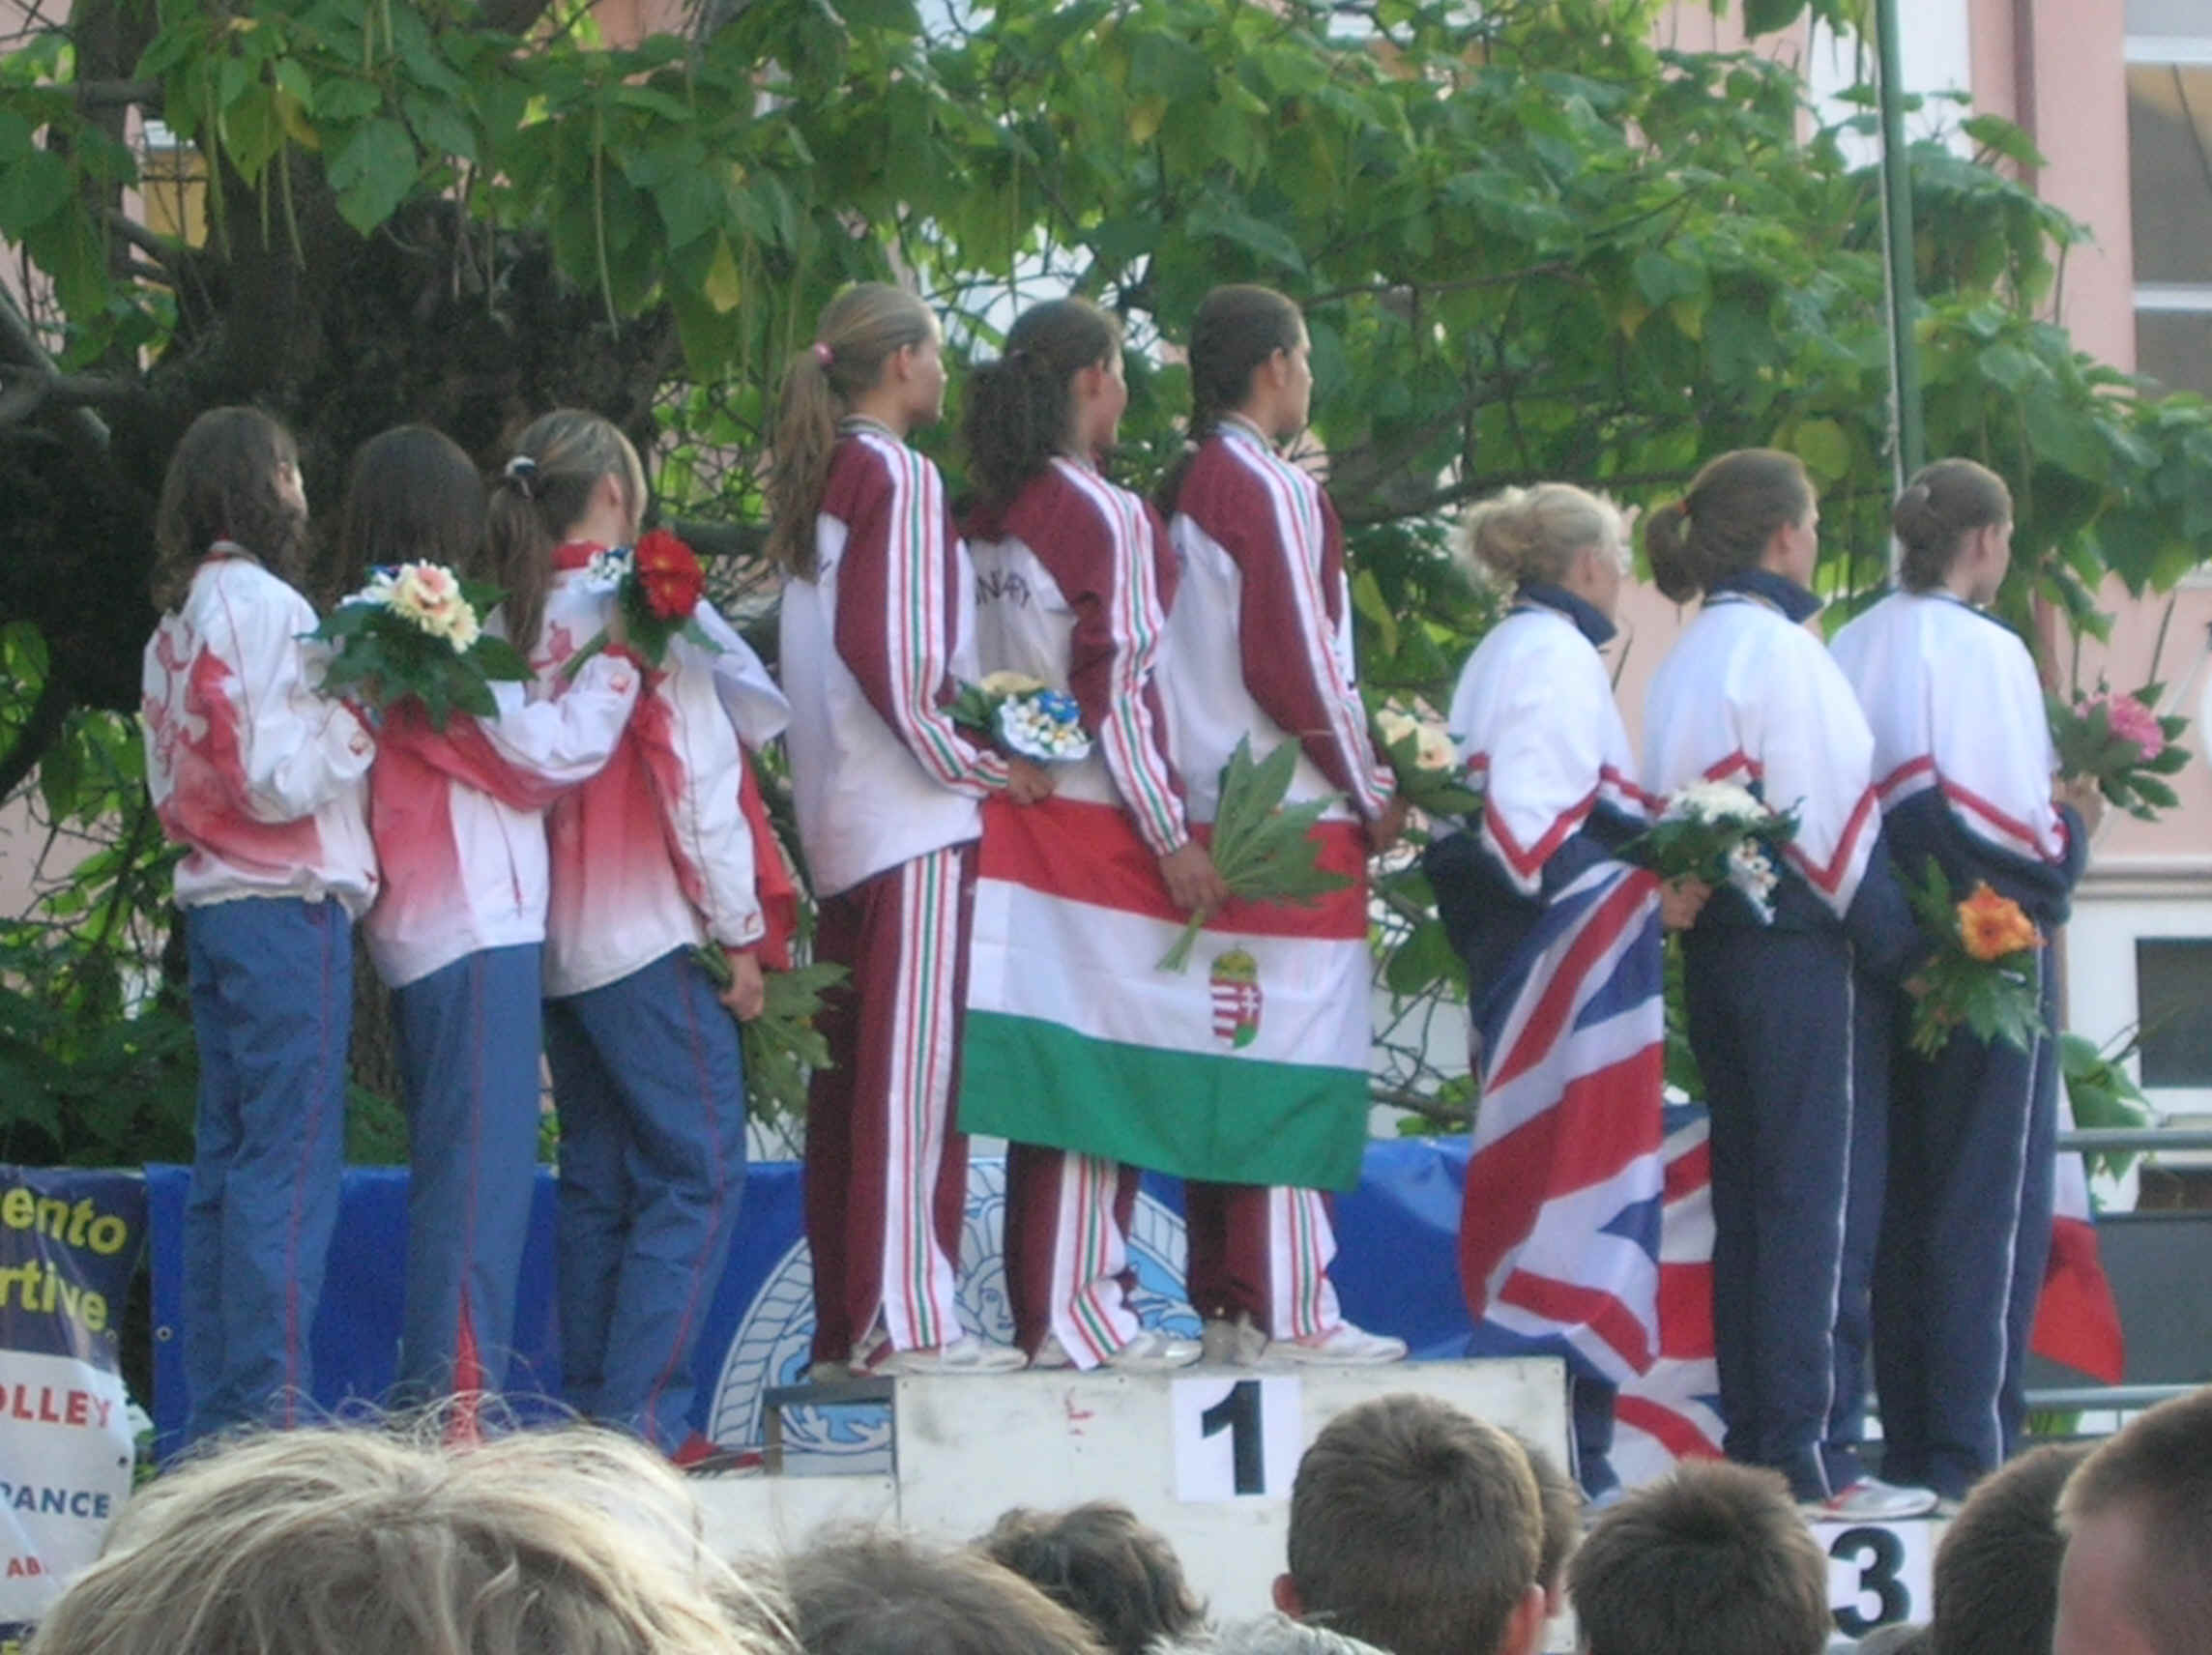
781,1045
2123,743
1024,717
1721,833
1982,975
1426,765
413,633
1260,846
658,583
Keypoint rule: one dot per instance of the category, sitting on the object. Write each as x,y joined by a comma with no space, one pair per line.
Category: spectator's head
871,1593
1097,1559
1996,1570
1416,1527
1714,1560
311,1542
2136,1514
1562,1507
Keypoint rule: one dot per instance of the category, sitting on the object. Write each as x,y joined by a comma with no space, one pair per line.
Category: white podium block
1206,1456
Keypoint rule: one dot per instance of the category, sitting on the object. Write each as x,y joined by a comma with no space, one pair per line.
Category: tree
1530,243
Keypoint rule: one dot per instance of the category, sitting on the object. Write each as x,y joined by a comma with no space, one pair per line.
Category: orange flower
1992,926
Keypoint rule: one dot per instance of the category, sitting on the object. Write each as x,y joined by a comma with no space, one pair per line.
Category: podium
1205,1455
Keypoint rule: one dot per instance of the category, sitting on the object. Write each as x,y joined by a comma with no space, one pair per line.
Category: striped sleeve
1288,633
897,608
1111,578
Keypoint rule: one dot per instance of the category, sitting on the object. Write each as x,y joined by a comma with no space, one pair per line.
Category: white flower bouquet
1721,833
414,633
1425,764
1024,716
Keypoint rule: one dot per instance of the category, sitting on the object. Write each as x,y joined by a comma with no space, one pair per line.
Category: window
2174,989
2169,165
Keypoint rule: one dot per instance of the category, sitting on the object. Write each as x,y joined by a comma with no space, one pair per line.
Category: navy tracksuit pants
1964,1246
468,1037
649,1079
272,984
1771,1021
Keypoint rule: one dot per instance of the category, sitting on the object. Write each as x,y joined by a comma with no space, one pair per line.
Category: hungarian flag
1250,1066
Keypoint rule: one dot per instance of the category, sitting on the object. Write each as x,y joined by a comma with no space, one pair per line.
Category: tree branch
20,348
165,251
115,94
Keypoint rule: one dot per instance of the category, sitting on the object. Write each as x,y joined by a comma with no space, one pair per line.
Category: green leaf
372,172
32,191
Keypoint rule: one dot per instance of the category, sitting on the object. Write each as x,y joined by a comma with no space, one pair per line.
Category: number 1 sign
1236,1438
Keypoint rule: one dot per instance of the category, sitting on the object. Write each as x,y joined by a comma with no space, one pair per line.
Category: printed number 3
1877,1555
1238,1415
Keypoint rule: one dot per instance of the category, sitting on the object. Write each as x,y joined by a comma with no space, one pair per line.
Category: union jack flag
1674,1411
1559,1235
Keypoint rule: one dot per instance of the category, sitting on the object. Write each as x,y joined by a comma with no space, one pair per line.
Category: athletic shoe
965,1354
1150,1352
1870,1500
1343,1345
826,1371
1224,1343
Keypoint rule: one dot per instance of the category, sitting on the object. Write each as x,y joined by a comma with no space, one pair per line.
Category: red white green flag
1248,1067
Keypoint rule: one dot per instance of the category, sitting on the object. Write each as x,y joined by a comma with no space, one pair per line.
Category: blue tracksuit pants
1964,1246
271,988
649,1079
469,1038
1771,1022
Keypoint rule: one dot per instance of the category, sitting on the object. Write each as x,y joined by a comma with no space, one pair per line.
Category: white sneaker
965,1354
1230,1343
1870,1500
1153,1352
1052,1354
1343,1345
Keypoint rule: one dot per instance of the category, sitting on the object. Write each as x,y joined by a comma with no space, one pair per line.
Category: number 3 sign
1878,1573
1236,1438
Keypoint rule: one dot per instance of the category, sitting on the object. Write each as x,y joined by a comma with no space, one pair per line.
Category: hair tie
823,353
522,472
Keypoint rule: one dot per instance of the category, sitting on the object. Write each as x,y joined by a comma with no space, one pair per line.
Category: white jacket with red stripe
459,816
261,779
1260,637
873,647
655,851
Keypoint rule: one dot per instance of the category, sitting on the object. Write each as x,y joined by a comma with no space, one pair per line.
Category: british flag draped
1560,1238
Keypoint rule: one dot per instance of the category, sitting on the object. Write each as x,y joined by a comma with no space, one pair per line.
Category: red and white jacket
261,779
1260,639
658,850
1072,586
459,816
872,649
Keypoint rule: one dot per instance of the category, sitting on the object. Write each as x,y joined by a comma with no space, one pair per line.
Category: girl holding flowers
1748,695
1542,740
1965,762
264,783
663,850
1074,580
877,624
458,933
1260,652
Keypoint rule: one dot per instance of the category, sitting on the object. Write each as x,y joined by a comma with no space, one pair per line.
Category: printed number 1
1239,1413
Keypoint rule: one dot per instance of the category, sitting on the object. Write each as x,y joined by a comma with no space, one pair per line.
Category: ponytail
1945,502
1724,522
862,328
1237,328
542,493
1019,406
1536,534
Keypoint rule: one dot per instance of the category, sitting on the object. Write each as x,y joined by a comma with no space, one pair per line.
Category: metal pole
1896,236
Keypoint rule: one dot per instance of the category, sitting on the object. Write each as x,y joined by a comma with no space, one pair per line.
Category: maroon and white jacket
1072,586
260,778
459,816
873,647
655,851
1260,639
